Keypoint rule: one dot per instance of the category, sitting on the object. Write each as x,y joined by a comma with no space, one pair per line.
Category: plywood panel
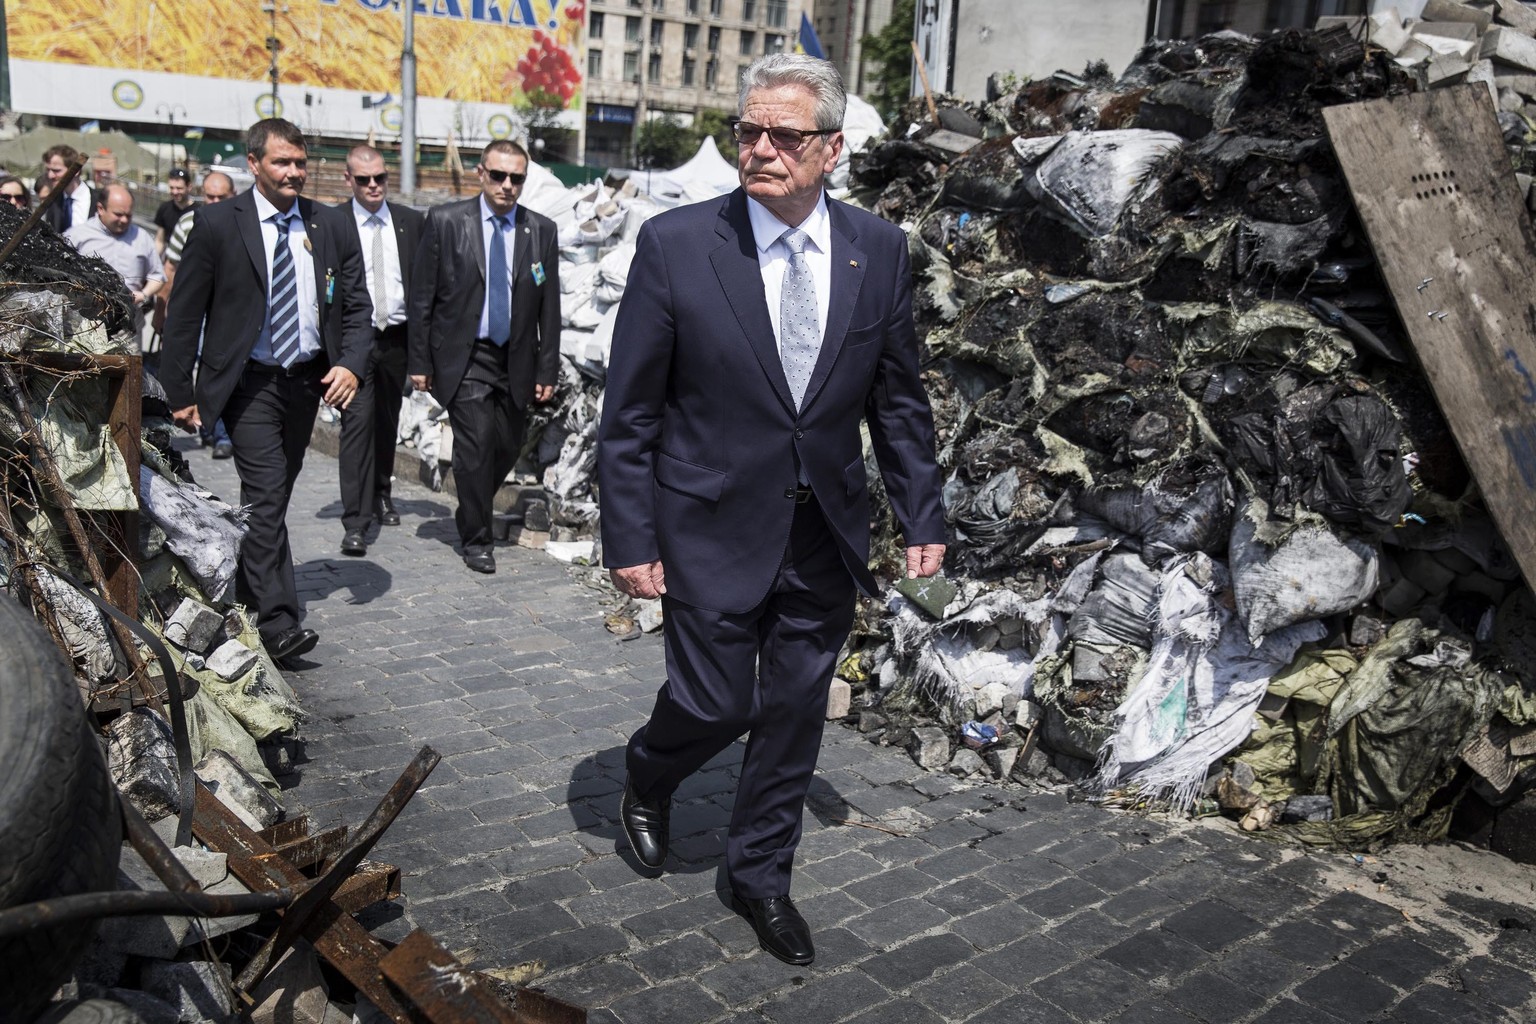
1438,198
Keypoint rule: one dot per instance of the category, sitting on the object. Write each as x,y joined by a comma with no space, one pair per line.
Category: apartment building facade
841,25
648,58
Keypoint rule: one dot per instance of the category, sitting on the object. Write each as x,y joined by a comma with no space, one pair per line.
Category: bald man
112,236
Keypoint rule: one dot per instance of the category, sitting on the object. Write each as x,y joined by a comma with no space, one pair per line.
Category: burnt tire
60,827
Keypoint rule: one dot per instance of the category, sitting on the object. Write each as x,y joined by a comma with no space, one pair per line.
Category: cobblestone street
972,901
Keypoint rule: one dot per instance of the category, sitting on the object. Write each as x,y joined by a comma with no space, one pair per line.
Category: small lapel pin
309,248
853,263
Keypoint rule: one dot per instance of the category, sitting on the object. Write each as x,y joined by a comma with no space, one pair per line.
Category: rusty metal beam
534,1006
286,831
371,883
312,849
443,989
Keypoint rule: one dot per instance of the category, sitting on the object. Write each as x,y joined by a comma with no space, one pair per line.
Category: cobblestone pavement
990,903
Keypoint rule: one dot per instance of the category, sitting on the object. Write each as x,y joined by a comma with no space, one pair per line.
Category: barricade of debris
139,814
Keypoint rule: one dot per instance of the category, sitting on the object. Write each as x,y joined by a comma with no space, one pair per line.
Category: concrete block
142,760
1525,85
1484,71
1447,71
990,698
90,1011
205,866
1414,53
1029,769
193,625
872,721
648,615
1517,15
1387,31
965,763
839,699
1455,11
232,659
210,927
200,990
1508,46
294,992
160,938
1000,761
1027,715
1511,101
238,791
929,747
150,1009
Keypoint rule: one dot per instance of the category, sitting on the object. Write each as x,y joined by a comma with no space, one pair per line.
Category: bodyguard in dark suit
485,331
756,332
387,234
279,283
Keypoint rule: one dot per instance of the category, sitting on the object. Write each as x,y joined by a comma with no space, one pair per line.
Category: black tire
60,826
92,1011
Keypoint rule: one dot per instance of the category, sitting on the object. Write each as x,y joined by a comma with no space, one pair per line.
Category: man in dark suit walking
278,281
755,333
485,331
387,233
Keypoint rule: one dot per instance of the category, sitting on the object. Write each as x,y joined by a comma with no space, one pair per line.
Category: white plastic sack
1091,177
1311,574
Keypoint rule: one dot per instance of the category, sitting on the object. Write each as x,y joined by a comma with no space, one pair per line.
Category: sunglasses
516,177
785,140
364,180
19,198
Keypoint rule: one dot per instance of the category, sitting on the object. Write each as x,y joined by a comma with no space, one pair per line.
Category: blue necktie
499,294
284,304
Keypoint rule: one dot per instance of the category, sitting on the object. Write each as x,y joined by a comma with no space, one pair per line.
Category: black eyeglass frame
363,180
516,177
799,136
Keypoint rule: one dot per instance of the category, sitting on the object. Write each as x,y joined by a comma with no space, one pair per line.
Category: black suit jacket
54,215
448,291
407,224
222,278
700,439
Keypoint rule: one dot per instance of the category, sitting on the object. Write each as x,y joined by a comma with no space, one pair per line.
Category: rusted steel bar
310,850
371,883
286,831
443,989
61,910
148,844
535,1006
37,215
319,895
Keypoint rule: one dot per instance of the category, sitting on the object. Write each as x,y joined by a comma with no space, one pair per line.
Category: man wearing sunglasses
485,331
14,192
388,233
756,332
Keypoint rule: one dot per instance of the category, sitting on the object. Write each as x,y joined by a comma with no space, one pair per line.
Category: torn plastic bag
1195,701
1191,108
1285,752
1118,610
1277,333
1177,513
203,532
988,177
1309,574
1282,249
1090,178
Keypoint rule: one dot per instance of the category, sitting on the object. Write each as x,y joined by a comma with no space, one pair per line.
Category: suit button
799,434
789,492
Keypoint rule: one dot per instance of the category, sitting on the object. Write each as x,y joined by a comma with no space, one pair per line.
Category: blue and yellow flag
808,43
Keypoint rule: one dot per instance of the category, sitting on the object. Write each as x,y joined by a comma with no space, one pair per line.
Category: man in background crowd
113,236
173,208
14,192
73,207
217,187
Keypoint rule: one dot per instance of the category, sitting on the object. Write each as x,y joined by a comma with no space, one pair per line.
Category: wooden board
1438,198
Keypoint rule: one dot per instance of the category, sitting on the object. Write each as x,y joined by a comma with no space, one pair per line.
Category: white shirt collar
361,212
265,211
766,228
486,213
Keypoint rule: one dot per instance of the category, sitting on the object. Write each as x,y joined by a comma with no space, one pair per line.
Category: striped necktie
284,304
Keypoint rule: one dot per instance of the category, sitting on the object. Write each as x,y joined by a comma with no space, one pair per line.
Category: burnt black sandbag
989,176
1170,518
1191,108
1360,480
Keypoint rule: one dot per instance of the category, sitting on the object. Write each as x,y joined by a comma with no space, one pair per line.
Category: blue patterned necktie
499,293
284,305
799,335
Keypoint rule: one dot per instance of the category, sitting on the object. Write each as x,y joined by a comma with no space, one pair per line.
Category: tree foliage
892,48
664,142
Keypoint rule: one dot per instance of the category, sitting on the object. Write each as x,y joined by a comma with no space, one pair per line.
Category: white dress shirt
81,209
773,257
304,269
509,236
393,299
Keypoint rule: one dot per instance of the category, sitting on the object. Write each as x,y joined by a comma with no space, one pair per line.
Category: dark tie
799,336
284,304
499,322
68,203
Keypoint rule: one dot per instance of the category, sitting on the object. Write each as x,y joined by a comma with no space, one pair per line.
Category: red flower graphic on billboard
546,74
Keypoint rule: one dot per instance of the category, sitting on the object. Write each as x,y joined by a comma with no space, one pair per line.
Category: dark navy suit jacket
700,440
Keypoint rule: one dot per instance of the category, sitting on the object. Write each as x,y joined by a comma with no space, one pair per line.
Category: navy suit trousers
764,673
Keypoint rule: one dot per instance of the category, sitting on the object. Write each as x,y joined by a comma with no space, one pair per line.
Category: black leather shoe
780,928
484,562
646,823
223,450
291,642
384,512
352,543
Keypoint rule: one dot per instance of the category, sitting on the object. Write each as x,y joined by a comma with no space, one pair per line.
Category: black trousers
270,417
369,425
487,433
765,673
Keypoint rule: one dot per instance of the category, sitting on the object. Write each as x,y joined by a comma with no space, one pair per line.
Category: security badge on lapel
538,272
330,275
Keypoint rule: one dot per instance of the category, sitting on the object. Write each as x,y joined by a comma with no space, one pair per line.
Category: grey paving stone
681,1001
824,1000
896,922
1155,955
1091,990
954,863
1062,900
689,956
1437,1004
1153,1011
569,948
1260,970
1208,996
745,981
898,1011
997,925
1498,984
967,896
1023,1008
1307,942
1026,961
1115,874
900,968
678,918
890,886
1211,925
595,984
961,992
843,869
1345,992
1399,961
1351,910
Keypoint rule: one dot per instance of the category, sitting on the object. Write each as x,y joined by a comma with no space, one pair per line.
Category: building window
777,12
711,73
714,40
634,3
714,8
631,30
692,7
656,27
594,64
690,36
595,28
748,10
689,66
653,68
658,5
632,68
748,44
773,42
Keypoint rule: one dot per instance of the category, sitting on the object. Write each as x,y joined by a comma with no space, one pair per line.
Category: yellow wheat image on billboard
487,51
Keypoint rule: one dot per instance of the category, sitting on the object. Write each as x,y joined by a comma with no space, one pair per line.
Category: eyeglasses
363,180
785,140
516,177
19,198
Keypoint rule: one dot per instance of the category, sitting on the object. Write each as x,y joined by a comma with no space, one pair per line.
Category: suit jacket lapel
476,237
741,277
848,263
250,233
317,249
402,248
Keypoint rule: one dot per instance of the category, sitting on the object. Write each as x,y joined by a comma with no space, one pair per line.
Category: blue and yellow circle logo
499,126
392,117
268,105
127,94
